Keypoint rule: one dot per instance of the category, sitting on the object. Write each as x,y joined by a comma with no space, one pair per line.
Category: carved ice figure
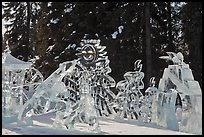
165,115
128,98
177,59
47,92
94,58
84,110
179,77
191,120
19,79
147,101
101,83
75,89
94,83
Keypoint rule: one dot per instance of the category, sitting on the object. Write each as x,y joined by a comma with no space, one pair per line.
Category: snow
3,21
70,24
54,21
120,28
114,35
73,32
3,27
42,125
50,48
119,31
68,8
71,46
56,57
49,4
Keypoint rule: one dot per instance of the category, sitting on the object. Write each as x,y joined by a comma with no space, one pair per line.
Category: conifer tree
18,16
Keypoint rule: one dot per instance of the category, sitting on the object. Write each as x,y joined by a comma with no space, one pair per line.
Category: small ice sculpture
129,95
178,79
147,100
18,80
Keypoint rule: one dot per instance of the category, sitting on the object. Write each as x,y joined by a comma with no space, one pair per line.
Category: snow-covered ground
43,126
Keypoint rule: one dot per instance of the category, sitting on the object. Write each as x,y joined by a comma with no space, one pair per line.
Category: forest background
48,33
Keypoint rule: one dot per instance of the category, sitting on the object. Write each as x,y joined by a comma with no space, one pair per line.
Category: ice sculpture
50,95
95,98
178,85
93,56
128,98
103,96
18,80
84,109
147,101
165,114
78,90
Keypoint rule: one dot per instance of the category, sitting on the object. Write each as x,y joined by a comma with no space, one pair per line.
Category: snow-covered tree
21,19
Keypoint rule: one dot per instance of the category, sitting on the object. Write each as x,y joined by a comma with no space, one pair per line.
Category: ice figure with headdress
95,95
94,57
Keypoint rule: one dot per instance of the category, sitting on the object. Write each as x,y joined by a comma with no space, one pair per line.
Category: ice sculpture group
80,91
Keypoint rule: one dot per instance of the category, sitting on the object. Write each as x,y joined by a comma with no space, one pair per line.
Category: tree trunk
148,44
28,26
170,39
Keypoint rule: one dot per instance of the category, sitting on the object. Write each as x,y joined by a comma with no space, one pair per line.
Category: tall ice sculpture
179,102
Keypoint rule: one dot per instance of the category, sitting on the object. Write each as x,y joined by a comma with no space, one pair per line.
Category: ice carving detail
127,102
